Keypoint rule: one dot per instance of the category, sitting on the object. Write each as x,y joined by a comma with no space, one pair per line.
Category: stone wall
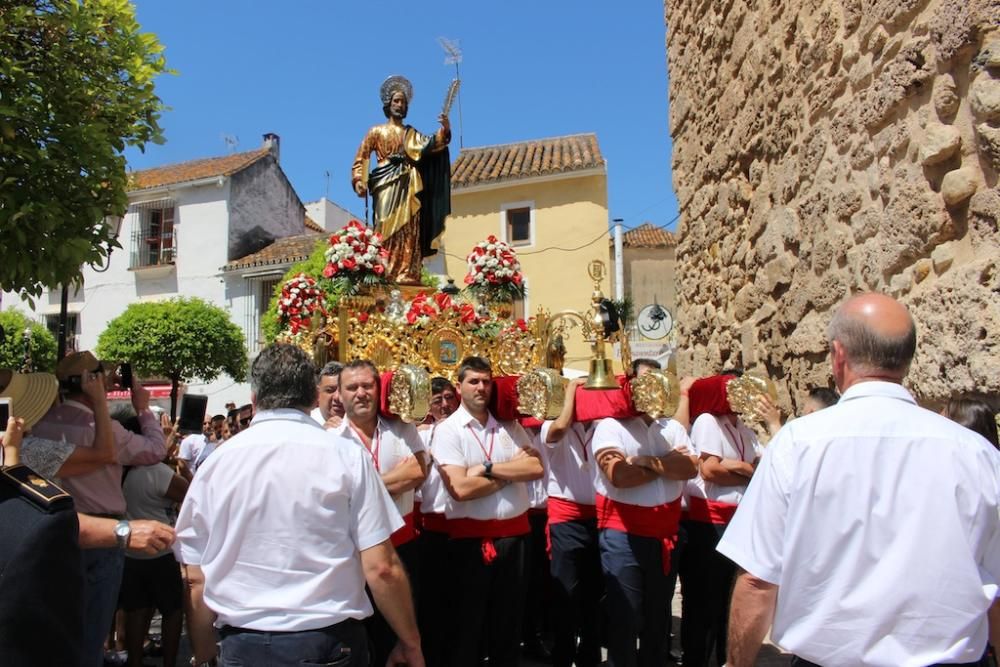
827,147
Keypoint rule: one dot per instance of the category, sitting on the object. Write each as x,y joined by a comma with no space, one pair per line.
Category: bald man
877,520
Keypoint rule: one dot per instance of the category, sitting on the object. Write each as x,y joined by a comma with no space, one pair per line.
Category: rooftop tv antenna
453,57
231,141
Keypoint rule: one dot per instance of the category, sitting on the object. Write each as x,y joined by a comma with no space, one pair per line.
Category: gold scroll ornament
656,393
410,393
541,393
744,392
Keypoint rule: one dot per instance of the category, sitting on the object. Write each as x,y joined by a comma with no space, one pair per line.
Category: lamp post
114,222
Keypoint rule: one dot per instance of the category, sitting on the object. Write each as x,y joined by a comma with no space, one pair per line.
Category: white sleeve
447,446
520,436
607,435
676,436
707,436
374,516
191,527
755,537
411,437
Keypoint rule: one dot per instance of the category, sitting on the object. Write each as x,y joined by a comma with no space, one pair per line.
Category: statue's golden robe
396,186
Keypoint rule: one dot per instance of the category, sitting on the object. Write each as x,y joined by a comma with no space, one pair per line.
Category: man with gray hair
878,520
280,531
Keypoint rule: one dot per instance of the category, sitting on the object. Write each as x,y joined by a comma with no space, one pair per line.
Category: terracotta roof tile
525,159
313,226
193,170
648,235
288,250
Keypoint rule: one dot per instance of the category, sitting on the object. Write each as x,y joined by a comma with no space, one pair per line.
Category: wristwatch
488,474
123,531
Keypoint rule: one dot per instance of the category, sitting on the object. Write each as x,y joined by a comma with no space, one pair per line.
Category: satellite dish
655,322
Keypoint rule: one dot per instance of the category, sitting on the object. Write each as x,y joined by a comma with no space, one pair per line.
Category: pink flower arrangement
355,253
301,299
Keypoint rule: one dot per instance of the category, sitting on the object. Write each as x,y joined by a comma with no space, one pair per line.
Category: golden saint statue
410,185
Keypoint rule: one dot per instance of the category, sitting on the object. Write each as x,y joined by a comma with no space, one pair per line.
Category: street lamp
114,223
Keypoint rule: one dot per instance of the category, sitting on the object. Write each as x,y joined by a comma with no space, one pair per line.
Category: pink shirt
100,492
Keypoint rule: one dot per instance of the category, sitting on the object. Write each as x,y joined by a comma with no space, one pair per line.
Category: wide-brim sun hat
31,394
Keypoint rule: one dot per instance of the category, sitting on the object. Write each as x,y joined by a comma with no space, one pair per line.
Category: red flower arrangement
494,271
301,299
356,257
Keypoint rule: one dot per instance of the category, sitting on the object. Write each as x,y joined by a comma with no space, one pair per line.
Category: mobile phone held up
5,414
192,417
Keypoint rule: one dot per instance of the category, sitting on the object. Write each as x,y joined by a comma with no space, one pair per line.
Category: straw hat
31,394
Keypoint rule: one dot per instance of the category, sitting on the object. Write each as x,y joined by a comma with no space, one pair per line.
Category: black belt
228,630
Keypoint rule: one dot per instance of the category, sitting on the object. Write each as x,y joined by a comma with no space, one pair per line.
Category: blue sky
310,70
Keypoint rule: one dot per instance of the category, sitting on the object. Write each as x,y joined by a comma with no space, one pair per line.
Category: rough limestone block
984,98
939,142
959,185
946,99
942,258
988,139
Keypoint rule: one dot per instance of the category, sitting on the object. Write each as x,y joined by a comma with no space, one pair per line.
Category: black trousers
577,589
380,636
538,583
340,645
636,589
675,560
433,616
707,578
487,601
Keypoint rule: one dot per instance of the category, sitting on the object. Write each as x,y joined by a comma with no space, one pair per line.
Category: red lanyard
737,439
583,444
493,438
376,444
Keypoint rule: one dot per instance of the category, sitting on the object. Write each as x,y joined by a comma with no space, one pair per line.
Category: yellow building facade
549,199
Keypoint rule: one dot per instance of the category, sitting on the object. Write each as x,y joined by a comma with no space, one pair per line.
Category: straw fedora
31,394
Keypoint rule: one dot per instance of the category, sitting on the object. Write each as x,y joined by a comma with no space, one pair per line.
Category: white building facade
185,223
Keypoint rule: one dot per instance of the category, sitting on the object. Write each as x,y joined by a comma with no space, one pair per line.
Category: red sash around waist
489,530
405,534
418,517
561,511
659,522
710,511
436,523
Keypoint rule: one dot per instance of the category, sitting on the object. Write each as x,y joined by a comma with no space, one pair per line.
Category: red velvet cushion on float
385,382
503,402
531,422
597,404
709,395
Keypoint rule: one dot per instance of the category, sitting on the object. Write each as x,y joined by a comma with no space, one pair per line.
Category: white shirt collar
464,418
287,414
346,428
870,388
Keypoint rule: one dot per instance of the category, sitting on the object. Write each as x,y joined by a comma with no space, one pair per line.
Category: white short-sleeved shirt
434,498
880,523
631,437
191,447
714,435
538,489
570,463
145,489
461,440
277,520
394,441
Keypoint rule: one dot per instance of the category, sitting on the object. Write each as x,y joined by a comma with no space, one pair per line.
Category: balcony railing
153,248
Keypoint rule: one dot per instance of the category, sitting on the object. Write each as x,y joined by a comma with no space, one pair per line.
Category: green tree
180,339
76,88
42,346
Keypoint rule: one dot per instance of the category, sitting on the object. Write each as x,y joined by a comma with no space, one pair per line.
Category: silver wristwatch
123,531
